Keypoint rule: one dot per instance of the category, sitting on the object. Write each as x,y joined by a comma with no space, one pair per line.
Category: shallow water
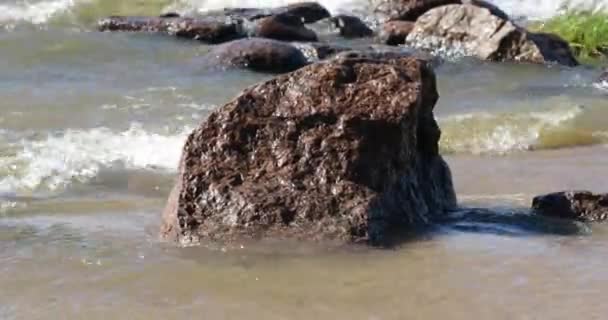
91,126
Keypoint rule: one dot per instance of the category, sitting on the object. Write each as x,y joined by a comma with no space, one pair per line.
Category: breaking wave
501,133
57,160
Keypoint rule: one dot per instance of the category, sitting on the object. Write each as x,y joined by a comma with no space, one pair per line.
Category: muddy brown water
91,126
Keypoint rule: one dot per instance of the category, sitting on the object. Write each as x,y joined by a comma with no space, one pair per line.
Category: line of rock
468,27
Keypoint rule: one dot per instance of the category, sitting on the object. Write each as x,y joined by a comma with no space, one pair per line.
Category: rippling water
91,127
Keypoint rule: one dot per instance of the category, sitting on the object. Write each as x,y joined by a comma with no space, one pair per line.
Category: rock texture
411,10
345,150
210,30
257,54
574,205
307,12
284,27
394,33
475,31
351,26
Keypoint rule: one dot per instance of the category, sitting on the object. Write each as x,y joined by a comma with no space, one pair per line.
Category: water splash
57,160
500,133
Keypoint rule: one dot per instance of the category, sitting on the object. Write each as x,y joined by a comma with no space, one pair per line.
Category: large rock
257,54
394,33
475,31
210,30
345,150
351,26
410,10
284,27
574,205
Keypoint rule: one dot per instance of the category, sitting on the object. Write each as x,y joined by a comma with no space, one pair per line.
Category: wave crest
488,133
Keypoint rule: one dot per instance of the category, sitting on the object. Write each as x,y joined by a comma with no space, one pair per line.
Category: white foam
79,155
36,13
483,132
544,9
39,12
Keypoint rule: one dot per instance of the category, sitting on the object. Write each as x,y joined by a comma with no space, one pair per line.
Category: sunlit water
91,127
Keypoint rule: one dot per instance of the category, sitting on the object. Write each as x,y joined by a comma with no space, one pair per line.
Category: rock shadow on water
511,222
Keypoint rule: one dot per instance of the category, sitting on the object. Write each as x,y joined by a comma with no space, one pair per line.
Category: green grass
587,32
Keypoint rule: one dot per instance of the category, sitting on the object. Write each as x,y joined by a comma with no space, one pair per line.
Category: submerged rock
411,10
344,150
351,26
475,31
574,205
285,28
309,12
258,54
208,30
321,50
394,33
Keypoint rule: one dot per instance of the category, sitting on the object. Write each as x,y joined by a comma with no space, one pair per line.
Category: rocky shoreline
343,145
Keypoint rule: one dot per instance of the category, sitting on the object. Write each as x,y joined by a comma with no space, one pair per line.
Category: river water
91,126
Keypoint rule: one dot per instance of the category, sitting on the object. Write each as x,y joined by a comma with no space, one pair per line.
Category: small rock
306,12
394,33
351,27
208,30
602,80
257,54
574,205
284,27
170,15
411,10
323,51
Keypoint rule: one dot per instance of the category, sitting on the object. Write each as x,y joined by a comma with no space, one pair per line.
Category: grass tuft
586,31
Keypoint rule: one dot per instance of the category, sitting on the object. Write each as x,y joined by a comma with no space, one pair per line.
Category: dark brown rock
394,33
475,31
306,12
170,15
208,30
410,10
345,150
351,26
257,54
573,205
285,28
309,12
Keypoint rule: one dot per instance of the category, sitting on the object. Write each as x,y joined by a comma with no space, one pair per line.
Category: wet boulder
209,30
257,54
306,12
344,150
474,31
411,10
284,27
573,205
394,33
351,26
380,52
